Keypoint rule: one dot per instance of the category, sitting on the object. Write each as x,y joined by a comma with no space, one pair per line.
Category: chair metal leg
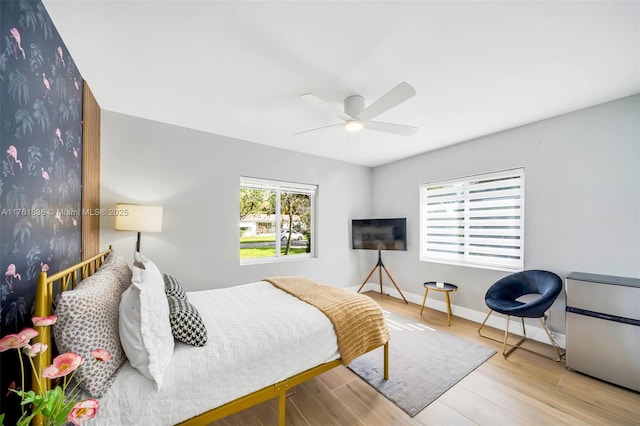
485,320
487,336
506,336
518,344
553,343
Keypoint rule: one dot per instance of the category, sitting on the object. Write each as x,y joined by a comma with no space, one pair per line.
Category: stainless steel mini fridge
603,327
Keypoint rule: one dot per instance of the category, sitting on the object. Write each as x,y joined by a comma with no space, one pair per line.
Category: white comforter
257,335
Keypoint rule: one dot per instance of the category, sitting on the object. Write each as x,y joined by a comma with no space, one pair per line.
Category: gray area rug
423,363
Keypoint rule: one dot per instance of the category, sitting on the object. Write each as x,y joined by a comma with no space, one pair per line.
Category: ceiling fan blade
393,97
322,104
398,129
319,128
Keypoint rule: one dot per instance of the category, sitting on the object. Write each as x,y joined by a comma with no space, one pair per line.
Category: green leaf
61,417
29,397
51,404
36,408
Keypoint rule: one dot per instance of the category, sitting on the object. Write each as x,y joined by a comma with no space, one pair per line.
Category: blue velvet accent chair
503,295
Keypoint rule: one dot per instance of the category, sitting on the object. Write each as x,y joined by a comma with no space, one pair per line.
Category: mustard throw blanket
358,320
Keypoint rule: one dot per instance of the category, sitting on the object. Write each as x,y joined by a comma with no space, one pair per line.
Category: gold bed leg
386,361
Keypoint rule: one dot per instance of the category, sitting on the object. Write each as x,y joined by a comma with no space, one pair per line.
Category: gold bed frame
76,273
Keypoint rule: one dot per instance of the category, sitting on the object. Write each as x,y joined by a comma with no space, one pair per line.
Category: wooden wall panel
90,174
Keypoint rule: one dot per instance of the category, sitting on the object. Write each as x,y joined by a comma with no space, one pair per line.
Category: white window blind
256,183
474,221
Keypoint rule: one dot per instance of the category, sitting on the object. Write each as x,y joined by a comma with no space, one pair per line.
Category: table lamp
138,218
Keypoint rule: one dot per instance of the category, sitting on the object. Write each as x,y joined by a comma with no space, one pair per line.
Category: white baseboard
497,321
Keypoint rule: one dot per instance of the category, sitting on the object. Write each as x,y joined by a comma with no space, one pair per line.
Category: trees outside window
276,220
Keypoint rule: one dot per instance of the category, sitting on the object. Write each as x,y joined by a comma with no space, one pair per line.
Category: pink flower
13,341
28,333
17,341
44,321
83,411
62,365
35,349
101,355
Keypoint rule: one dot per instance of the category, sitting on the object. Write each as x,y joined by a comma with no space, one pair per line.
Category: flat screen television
379,234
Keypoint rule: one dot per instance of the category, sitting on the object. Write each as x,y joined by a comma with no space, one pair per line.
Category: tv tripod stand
380,266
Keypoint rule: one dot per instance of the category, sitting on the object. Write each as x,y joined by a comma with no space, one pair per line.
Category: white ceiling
238,68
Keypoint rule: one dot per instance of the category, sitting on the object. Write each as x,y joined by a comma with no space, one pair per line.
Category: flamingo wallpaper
40,182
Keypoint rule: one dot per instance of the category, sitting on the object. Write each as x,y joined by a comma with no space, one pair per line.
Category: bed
262,341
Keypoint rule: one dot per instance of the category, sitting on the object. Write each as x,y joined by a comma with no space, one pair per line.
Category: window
276,220
474,221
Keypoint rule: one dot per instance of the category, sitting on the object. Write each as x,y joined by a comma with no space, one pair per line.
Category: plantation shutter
475,221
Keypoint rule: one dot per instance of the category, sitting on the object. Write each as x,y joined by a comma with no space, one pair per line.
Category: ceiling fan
356,116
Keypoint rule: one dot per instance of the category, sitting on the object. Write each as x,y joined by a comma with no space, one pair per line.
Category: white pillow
145,330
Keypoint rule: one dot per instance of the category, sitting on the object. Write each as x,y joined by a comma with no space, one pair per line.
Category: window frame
278,187
504,232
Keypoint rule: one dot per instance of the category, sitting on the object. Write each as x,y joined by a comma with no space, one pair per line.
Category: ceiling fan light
354,125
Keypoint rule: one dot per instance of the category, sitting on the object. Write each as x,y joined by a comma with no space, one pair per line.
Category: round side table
446,289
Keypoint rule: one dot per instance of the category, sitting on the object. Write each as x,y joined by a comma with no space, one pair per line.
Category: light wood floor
524,389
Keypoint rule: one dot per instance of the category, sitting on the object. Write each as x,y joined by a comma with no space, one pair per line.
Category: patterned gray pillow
116,264
88,320
186,323
173,288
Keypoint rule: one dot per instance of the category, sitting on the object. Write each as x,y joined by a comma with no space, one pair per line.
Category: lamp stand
380,266
138,243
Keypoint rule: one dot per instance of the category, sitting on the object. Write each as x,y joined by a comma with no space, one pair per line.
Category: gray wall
195,176
582,200
578,168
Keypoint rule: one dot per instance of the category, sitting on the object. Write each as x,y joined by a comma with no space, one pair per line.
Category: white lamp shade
134,217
